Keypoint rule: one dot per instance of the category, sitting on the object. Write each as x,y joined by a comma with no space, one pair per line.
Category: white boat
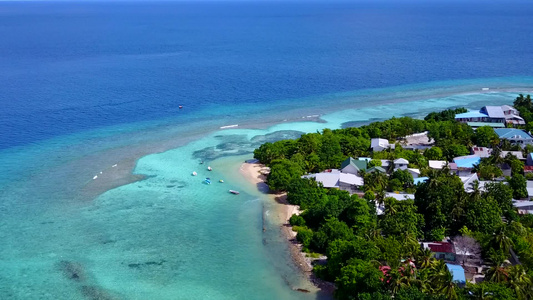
209,169
221,181
234,192
194,173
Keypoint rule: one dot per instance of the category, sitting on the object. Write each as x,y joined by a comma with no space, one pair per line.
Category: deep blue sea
96,155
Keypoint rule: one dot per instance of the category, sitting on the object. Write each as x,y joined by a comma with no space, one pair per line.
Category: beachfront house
353,166
378,144
465,164
515,136
336,179
441,250
493,116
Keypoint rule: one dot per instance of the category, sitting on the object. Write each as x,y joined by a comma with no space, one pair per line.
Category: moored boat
209,168
234,192
194,173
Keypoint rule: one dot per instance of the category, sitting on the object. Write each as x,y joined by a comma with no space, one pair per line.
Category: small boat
181,106
209,169
194,173
207,180
234,192
221,181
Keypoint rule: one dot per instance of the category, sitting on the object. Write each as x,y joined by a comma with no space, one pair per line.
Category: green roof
481,124
377,168
358,164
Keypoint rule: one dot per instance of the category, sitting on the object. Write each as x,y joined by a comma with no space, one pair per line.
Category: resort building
378,144
515,136
482,152
493,116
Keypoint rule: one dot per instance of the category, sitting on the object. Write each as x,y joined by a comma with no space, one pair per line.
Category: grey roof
401,161
400,196
328,180
495,112
351,179
517,154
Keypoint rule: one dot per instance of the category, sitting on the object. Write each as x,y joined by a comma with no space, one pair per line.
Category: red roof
441,247
528,168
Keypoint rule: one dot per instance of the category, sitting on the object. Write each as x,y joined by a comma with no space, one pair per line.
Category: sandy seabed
255,173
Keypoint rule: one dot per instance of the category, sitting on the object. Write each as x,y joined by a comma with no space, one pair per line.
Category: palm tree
442,281
425,258
520,282
497,272
502,241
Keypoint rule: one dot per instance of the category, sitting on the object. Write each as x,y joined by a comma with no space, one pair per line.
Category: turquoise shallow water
170,236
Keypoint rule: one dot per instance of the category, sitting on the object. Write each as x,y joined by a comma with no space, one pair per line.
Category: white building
378,144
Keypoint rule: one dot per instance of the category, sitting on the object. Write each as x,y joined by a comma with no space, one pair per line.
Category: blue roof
420,180
471,114
458,273
506,133
467,161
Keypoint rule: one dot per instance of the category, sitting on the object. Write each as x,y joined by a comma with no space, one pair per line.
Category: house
476,125
437,164
529,187
352,166
465,164
453,168
506,169
376,169
523,207
420,180
512,116
401,163
336,179
399,197
515,136
414,172
517,154
509,111
529,159
471,116
468,183
482,152
441,250
458,274
495,114
378,144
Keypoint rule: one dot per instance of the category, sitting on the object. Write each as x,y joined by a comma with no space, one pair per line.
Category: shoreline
255,174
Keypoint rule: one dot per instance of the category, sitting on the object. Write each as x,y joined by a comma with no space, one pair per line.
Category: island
415,209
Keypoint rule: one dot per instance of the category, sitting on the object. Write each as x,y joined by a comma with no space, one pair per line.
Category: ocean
96,193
